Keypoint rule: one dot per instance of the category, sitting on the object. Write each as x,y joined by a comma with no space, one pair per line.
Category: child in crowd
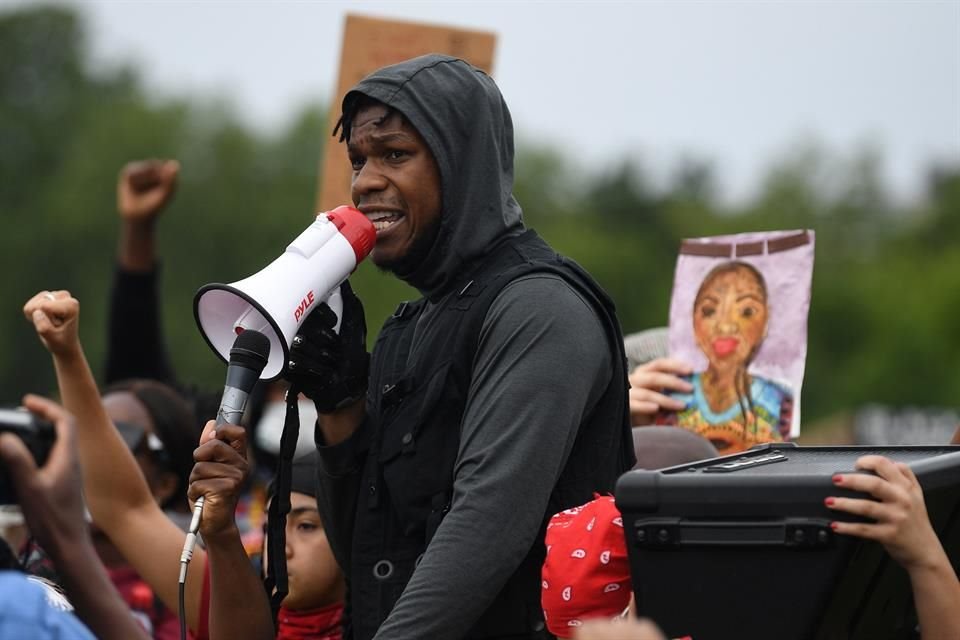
314,607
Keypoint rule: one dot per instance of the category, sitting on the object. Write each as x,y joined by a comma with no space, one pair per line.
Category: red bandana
313,624
586,573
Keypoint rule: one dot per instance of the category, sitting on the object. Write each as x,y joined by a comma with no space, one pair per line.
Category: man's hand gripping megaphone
328,367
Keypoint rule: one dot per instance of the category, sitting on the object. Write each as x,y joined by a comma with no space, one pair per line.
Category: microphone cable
248,357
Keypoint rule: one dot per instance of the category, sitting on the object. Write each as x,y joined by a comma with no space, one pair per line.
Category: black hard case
741,546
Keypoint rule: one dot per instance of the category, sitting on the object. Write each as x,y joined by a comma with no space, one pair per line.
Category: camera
36,433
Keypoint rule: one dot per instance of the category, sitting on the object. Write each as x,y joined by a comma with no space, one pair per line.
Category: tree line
886,285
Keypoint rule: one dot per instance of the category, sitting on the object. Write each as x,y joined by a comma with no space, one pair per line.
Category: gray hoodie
473,149
542,364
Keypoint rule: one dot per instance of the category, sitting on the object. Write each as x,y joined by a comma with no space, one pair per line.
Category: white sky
735,82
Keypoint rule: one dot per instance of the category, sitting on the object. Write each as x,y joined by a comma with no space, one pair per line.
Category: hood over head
461,115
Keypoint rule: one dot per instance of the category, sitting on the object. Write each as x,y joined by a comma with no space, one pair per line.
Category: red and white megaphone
277,299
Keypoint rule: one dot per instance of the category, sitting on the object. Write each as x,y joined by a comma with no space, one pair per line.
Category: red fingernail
828,502
834,525
838,479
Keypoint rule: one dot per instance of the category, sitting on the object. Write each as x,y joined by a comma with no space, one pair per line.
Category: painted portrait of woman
728,405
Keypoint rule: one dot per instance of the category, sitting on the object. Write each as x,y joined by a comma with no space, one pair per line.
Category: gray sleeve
542,364
339,469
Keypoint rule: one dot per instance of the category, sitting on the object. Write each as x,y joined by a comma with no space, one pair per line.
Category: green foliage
886,290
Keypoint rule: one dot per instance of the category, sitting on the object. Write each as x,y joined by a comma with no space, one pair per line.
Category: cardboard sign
738,316
368,45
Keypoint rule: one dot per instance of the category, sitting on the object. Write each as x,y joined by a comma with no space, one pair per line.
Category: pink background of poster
788,274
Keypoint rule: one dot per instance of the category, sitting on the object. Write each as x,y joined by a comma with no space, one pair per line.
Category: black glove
328,368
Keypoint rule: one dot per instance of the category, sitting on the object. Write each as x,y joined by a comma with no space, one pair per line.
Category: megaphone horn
277,299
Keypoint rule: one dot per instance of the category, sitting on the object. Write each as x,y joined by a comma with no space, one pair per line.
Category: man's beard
409,262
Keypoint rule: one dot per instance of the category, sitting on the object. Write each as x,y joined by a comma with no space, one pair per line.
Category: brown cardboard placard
372,43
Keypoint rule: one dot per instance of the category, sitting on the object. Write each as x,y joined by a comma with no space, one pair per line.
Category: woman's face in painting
730,317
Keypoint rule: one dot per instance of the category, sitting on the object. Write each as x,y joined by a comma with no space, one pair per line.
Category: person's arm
542,363
335,428
135,345
903,528
143,190
649,387
53,508
116,492
239,607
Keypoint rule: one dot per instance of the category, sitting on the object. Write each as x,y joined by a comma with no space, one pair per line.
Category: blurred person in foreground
53,509
123,506
496,399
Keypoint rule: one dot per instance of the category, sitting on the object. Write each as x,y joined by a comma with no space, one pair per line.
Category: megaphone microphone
276,300
248,357
253,321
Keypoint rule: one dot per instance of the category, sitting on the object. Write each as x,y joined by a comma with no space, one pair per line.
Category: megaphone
277,299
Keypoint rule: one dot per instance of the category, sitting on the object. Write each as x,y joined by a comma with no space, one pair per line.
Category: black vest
416,402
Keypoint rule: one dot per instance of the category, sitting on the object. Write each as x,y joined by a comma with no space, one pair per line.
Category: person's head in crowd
158,426
586,574
730,316
267,423
315,579
661,447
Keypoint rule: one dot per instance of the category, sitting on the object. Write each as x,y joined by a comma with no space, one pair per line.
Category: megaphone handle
335,302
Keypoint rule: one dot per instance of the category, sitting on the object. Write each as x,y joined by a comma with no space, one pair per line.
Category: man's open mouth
383,220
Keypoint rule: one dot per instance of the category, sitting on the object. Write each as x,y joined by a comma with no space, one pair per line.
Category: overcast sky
734,82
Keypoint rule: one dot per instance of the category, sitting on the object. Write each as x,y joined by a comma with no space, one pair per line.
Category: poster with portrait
738,315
